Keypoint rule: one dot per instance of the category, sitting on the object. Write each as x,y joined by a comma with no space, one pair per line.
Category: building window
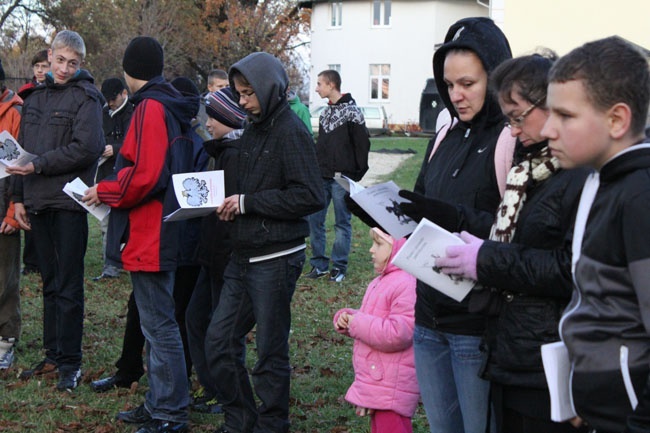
379,82
336,13
381,12
335,67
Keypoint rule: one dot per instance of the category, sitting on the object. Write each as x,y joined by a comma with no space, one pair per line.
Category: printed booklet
557,368
197,194
76,190
381,202
418,257
12,154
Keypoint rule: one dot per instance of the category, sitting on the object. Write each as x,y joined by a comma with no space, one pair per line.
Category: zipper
627,380
457,170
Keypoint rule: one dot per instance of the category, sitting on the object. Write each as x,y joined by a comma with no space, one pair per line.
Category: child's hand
363,411
344,321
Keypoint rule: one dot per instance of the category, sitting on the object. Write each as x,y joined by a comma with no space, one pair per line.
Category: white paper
418,257
76,190
557,368
197,194
12,154
381,202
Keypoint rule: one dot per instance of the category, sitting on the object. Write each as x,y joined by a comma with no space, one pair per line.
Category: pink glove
461,259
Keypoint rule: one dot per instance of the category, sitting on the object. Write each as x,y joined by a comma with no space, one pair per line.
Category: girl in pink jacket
385,386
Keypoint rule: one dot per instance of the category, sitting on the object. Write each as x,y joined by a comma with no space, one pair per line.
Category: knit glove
461,259
440,212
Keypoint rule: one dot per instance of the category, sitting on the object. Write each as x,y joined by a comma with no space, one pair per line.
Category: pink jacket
384,365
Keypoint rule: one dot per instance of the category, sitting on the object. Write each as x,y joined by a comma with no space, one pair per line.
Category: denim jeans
254,293
342,230
455,399
168,394
60,238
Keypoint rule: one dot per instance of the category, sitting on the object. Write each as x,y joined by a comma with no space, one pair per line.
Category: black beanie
143,58
2,72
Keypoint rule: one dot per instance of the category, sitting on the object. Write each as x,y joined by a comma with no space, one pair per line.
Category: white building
383,49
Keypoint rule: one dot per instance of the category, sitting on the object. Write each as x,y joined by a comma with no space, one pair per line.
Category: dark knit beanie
2,72
111,87
143,58
222,107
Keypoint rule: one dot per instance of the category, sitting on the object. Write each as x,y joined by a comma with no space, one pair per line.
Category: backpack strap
503,155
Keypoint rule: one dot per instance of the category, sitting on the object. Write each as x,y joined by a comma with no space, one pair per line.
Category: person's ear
619,118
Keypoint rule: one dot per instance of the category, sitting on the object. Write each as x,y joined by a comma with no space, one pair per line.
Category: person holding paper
61,124
464,165
598,98
523,269
385,386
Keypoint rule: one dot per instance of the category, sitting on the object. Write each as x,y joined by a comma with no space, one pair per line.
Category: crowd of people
541,165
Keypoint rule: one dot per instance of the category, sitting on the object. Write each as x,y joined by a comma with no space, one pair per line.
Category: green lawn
321,358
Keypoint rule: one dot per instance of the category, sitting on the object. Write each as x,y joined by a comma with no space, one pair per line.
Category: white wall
407,45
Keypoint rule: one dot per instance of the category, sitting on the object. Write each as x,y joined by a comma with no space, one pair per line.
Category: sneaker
68,380
44,367
139,415
111,382
6,352
104,276
162,426
315,273
205,405
336,276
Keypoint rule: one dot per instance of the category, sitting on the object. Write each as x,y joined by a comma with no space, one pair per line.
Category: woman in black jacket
525,265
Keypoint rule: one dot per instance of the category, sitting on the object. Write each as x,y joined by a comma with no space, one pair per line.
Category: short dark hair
528,75
239,78
41,56
333,77
612,71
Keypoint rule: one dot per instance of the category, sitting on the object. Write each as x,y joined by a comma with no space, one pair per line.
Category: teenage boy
217,79
598,98
10,320
276,189
62,125
140,194
342,148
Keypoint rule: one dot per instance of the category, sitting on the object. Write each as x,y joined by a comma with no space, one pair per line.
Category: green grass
321,359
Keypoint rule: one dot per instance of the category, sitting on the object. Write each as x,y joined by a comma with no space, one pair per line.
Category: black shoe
68,380
315,273
105,277
29,270
139,415
108,383
162,426
206,405
336,276
44,367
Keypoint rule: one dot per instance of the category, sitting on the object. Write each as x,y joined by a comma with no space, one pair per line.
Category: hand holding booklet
76,190
381,202
12,154
418,257
197,194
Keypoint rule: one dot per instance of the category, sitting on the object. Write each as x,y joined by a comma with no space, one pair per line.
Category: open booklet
418,257
197,194
381,202
12,154
76,190
557,368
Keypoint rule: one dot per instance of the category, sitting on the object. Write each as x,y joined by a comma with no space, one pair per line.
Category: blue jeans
254,293
455,399
342,230
60,239
168,394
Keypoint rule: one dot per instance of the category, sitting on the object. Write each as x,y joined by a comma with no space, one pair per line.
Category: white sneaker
6,352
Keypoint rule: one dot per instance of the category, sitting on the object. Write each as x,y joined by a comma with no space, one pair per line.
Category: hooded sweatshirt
383,358
278,170
157,145
462,169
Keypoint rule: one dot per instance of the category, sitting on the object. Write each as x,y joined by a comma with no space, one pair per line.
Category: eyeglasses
246,96
519,120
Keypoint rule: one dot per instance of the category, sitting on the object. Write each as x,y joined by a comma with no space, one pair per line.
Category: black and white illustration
197,194
195,191
12,154
8,150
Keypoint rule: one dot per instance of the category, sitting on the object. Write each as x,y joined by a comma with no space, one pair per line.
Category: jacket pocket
375,366
627,378
61,118
525,324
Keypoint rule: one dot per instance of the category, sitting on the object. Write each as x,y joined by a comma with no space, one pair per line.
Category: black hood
268,78
182,107
488,42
